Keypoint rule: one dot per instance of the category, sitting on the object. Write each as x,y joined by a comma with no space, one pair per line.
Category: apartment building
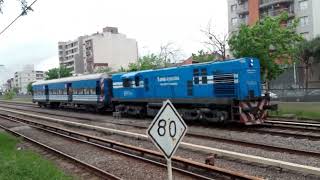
250,11
70,55
108,48
22,78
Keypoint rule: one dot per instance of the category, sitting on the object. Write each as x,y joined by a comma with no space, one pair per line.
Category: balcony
242,21
265,3
277,12
242,9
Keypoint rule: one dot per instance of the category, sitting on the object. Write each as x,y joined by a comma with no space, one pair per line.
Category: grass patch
302,110
24,164
29,100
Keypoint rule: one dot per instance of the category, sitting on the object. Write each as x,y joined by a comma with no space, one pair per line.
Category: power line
24,12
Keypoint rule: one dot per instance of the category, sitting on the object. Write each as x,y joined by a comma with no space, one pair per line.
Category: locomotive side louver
224,84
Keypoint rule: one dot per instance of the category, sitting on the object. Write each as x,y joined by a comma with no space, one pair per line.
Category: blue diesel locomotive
216,91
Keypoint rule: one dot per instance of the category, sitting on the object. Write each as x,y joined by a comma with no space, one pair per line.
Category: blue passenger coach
88,91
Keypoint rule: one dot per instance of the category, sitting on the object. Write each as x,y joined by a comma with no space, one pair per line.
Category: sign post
166,131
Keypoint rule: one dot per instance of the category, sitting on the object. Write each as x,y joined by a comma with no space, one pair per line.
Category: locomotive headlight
251,62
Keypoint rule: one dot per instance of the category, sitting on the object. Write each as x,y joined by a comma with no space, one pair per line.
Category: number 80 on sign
167,129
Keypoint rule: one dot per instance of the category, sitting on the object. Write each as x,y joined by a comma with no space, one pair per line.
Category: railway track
191,168
296,132
266,161
295,124
232,141
312,126
94,170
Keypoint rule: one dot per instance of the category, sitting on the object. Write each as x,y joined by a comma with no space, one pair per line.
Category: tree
57,73
29,88
215,43
150,61
307,53
106,70
269,40
168,53
9,95
15,90
24,6
122,69
203,56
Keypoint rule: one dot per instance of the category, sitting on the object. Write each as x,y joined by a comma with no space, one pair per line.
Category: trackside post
166,131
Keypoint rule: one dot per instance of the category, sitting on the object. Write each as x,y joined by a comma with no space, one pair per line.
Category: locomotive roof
71,79
132,74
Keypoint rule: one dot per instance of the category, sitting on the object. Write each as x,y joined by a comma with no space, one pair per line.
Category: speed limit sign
167,129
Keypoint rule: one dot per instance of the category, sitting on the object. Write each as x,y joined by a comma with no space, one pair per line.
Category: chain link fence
290,86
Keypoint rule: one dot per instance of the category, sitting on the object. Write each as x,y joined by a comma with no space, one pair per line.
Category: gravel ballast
252,169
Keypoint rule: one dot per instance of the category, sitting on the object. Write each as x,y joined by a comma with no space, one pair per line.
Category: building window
303,5
233,7
234,21
305,35
304,21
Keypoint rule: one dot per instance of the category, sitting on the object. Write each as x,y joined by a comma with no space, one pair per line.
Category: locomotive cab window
204,76
196,76
137,81
126,82
146,84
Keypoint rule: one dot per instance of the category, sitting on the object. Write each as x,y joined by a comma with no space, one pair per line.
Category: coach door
69,92
46,92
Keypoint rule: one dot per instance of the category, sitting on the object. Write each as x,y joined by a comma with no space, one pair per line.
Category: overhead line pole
22,14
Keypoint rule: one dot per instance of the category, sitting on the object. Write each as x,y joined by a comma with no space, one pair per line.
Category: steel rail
98,172
205,149
257,145
233,141
181,165
291,123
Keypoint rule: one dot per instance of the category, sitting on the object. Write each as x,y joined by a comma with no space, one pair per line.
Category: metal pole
294,74
169,169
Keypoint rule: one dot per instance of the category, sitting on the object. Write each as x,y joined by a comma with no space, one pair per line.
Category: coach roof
72,79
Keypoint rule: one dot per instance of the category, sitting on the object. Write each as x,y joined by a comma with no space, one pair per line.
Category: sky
33,39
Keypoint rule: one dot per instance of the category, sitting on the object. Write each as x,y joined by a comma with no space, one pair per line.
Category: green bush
9,95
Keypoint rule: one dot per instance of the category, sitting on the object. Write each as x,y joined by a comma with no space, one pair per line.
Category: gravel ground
119,165
258,138
232,164
63,164
221,161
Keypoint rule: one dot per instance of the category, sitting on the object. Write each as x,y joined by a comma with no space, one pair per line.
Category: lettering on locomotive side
127,93
168,78
251,71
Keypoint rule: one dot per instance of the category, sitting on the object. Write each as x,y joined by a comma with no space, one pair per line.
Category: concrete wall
119,51
115,49
316,17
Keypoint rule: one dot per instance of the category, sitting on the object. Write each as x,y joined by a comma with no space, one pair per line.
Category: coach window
126,82
137,81
204,76
196,76
93,91
98,89
87,91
